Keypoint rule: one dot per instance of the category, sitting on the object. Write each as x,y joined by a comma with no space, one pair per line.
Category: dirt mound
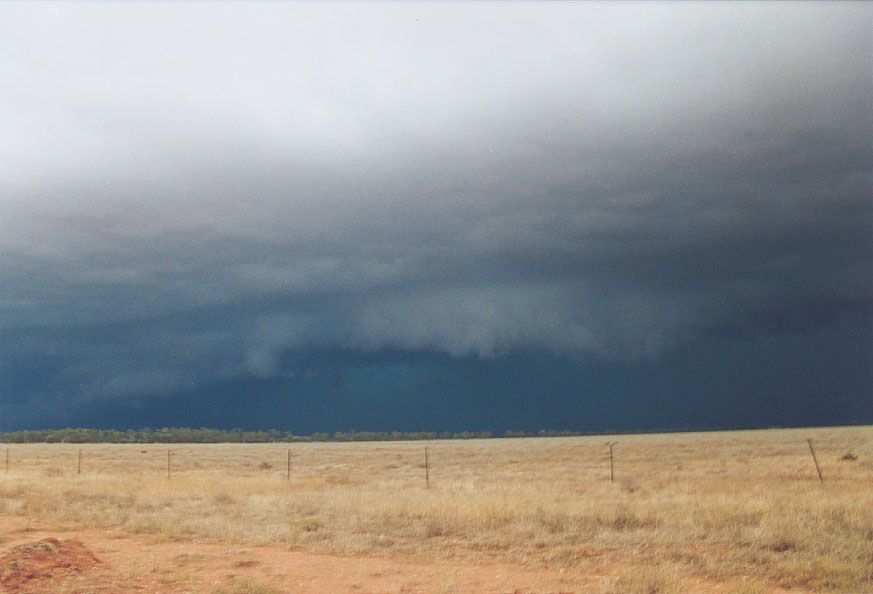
42,560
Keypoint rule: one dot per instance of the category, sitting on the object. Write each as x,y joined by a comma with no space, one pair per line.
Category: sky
436,216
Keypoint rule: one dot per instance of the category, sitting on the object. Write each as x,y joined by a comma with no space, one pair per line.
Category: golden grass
740,507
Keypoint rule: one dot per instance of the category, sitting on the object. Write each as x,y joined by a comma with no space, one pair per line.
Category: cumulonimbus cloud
607,180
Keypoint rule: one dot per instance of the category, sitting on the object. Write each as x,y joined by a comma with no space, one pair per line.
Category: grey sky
189,191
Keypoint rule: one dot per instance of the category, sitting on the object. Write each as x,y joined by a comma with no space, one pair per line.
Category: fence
839,455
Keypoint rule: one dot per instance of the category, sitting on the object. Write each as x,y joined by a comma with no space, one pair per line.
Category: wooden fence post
426,470
288,476
611,465
7,460
168,464
814,460
79,467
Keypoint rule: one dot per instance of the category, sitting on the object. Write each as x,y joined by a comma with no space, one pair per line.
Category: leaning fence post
814,460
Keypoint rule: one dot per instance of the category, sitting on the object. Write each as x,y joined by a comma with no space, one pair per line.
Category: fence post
611,464
426,470
288,476
814,460
168,464
7,460
79,468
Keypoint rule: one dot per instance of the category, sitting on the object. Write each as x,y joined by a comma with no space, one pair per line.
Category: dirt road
35,558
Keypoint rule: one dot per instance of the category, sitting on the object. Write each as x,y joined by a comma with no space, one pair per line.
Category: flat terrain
732,512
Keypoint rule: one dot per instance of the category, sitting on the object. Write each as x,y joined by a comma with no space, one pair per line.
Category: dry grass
245,586
740,507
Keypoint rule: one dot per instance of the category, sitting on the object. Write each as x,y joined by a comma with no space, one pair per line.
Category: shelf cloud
190,192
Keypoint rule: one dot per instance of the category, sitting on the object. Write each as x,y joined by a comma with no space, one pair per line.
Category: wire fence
835,457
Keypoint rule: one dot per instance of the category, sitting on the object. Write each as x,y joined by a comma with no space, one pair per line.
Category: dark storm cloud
189,203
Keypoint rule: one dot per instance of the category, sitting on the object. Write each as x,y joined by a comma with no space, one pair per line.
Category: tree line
205,435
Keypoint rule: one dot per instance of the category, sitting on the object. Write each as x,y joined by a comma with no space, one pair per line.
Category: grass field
743,508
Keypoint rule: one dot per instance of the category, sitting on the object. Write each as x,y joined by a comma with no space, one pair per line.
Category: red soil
37,562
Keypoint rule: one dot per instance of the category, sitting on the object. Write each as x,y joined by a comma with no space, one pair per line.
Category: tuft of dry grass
244,586
739,507
662,579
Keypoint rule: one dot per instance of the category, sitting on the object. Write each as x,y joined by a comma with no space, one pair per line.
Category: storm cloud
197,192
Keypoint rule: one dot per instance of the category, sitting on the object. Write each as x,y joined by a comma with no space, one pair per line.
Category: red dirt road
102,561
